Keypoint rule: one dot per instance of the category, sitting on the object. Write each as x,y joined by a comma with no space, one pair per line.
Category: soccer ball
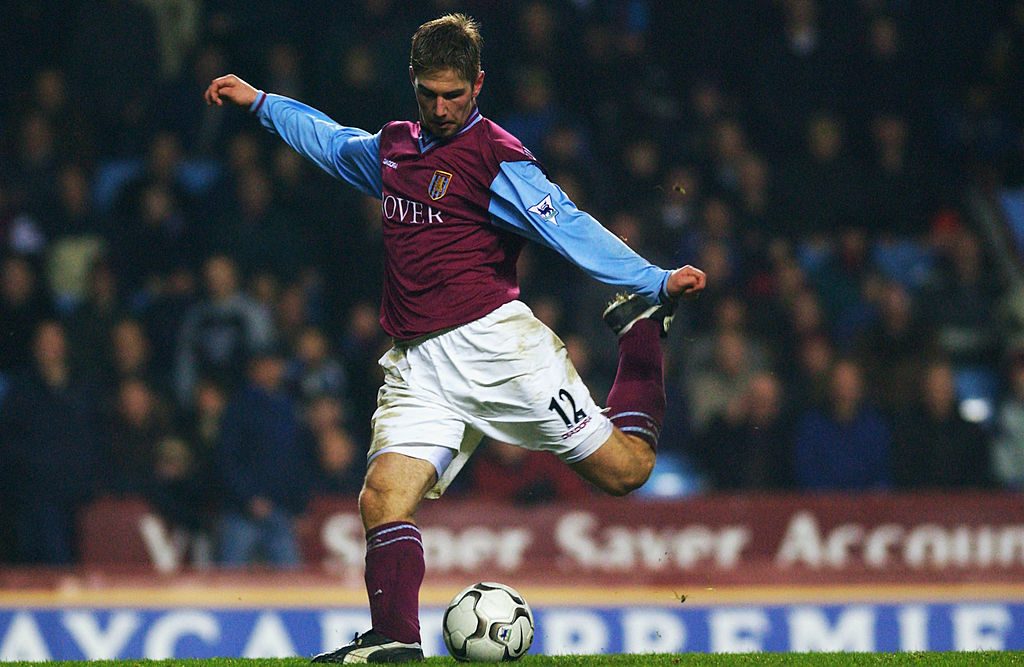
488,622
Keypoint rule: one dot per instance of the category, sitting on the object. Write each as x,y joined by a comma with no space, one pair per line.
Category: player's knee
640,473
634,476
381,502
372,504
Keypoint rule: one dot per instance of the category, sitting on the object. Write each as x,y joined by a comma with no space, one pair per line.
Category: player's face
445,99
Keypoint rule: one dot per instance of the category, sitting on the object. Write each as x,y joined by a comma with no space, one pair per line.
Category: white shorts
505,375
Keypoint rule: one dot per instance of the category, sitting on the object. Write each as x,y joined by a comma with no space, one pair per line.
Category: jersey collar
428,140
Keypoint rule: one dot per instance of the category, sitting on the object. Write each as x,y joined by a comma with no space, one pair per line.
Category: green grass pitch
680,660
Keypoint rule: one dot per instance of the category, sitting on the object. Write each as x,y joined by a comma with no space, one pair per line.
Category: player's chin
445,130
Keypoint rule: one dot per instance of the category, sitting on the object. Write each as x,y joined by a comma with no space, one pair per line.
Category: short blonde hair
450,42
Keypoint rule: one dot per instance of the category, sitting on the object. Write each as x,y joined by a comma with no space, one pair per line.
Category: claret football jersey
455,214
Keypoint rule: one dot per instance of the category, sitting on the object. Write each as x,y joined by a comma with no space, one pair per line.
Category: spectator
162,312
893,349
729,148
508,474
24,303
676,210
754,210
340,468
359,78
748,446
140,421
712,390
201,425
839,280
887,78
258,233
178,492
201,128
50,434
899,188
36,164
131,353
823,189
534,112
314,371
361,346
960,301
1008,449
341,461
934,446
290,312
730,314
50,98
73,214
76,240
90,323
845,445
796,72
219,332
808,379
156,236
299,190
265,462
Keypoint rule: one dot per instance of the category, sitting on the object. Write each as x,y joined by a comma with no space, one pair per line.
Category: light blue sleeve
347,153
524,201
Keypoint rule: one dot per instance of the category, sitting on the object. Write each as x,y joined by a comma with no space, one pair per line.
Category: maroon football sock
636,401
394,573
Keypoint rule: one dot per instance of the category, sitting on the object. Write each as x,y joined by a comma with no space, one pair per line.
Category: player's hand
687,282
229,87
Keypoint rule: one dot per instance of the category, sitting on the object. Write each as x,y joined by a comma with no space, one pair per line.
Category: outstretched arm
525,201
347,153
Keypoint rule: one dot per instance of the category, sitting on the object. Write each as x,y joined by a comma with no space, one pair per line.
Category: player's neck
430,137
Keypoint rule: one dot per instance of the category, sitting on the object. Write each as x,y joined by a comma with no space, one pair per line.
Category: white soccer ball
488,622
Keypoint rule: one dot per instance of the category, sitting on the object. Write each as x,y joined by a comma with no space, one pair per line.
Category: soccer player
459,198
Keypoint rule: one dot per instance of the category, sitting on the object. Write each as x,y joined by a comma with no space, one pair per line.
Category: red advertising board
713,540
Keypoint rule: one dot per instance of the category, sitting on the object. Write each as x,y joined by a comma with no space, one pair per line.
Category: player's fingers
699,277
213,92
221,87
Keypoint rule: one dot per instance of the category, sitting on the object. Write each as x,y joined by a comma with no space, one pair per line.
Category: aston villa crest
439,184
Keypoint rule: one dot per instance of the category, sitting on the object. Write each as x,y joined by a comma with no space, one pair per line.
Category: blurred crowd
188,310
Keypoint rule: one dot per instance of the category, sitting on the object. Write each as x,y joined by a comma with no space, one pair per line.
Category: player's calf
636,401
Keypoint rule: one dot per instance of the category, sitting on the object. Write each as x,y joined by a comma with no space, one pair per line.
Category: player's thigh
516,384
620,465
414,418
394,486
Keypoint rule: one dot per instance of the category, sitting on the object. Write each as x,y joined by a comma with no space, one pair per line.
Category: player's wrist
257,103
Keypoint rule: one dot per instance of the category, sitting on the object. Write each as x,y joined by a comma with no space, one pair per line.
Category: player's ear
478,84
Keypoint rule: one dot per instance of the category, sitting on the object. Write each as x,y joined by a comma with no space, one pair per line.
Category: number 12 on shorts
577,414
